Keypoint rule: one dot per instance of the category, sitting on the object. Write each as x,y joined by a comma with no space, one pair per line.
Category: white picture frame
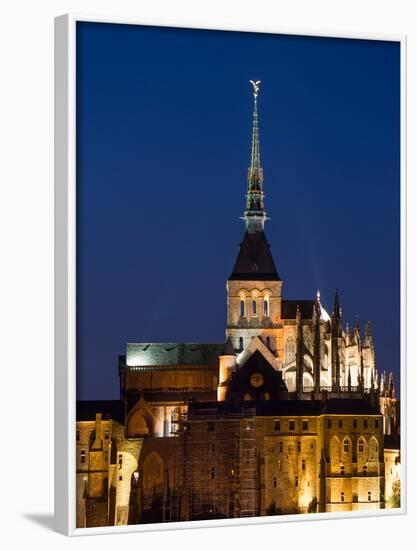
65,275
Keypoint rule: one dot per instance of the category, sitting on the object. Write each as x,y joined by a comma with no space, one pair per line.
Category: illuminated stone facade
288,415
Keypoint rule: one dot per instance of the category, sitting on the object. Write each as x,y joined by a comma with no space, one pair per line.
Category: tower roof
254,214
254,261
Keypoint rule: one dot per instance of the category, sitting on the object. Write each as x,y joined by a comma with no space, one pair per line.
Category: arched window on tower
289,351
253,307
242,308
241,344
266,306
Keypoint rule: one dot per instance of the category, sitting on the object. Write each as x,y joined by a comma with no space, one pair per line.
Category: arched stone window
253,307
242,308
346,445
289,350
266,306
241,344
361,446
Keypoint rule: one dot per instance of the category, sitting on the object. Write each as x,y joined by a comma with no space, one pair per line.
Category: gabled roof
254,261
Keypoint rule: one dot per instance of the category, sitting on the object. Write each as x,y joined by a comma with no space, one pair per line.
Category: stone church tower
298,337
254,287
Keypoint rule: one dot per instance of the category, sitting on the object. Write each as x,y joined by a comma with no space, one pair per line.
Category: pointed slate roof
254,261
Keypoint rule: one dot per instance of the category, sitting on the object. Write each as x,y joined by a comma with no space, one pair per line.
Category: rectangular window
277,425
82,456
291,425
376,424
296,481
280,446
340,423
342,470
303,465
305,424
354,423
299,446
213,473
329,422
365,470
120,462
120,478
106,434
275,481
78,435
342,497
365,423
369,496
355,497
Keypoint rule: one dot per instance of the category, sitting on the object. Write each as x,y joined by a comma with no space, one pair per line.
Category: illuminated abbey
288,415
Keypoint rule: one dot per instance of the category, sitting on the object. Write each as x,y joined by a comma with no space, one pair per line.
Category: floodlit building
288,415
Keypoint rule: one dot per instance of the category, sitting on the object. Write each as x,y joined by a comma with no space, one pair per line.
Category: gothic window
253,307
346,446
266,306
289,351
242,308
361,445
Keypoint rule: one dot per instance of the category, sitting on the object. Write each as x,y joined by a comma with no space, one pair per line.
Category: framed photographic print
230,289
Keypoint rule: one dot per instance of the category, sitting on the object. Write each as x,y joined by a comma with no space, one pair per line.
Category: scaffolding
217,466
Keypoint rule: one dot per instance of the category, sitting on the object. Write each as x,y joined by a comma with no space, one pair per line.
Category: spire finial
254,214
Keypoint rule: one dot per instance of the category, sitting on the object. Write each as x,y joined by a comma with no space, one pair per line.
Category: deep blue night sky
163,145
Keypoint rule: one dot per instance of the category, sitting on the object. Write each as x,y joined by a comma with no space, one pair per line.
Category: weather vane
255,84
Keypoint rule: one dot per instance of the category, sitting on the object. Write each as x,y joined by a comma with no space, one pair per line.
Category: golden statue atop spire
255,84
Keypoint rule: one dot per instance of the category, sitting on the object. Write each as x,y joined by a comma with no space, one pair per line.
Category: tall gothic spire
299,355
254,214
316,346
